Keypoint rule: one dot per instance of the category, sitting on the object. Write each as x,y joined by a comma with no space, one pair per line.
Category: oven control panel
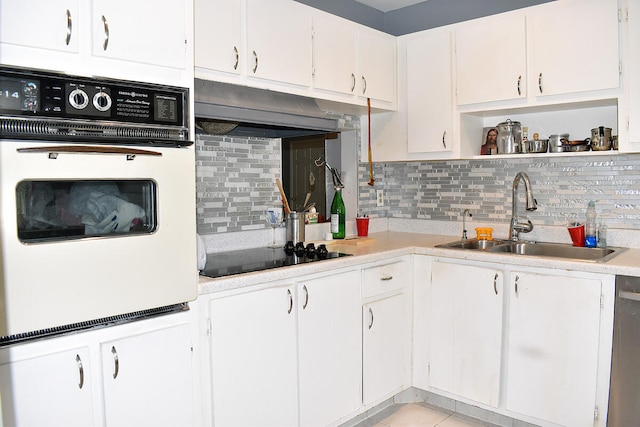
60,96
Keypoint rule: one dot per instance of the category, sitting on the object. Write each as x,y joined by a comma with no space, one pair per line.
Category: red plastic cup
577,234
363,226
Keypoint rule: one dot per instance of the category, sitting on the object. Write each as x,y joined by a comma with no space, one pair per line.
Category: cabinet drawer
384,278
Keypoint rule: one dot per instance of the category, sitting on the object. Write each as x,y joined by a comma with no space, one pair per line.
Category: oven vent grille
82,130
92,324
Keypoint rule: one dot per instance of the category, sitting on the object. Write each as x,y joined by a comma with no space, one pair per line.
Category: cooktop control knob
102,101
78,99
289,248
311,251
322,251
300,250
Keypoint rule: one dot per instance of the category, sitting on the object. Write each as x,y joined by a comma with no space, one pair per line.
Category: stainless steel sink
540,249
473,244
558,250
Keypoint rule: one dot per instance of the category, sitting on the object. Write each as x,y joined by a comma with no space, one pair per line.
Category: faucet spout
466,213
518,226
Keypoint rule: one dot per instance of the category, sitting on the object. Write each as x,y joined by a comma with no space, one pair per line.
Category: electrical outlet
379,198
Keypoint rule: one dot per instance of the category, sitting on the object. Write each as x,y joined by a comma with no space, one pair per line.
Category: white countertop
389,244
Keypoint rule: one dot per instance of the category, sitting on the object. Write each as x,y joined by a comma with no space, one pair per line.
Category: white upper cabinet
218,44
429,100
491,60
145,31
575,47
279,41
376,78
52,25
632,82
143,40
334,54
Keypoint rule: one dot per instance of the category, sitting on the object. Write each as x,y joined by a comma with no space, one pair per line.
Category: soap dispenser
591,231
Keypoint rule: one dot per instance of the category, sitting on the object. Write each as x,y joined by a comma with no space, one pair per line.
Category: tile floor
418,415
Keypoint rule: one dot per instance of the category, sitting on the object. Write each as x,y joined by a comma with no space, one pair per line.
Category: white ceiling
387,5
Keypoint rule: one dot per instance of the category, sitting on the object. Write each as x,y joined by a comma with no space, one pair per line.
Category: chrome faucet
466,213
518,226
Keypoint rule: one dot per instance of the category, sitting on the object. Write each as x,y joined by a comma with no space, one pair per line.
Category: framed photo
489,141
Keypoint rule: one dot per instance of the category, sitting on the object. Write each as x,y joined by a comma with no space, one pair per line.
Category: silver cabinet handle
105,24
540,82
306,297
371,314
80,371
364,85
444,142
116,362
290,301
353,82
516,284
235,65
69,28
519,89
495,285
255,61
386,278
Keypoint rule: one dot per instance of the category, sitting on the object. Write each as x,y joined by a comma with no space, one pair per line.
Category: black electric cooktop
258,259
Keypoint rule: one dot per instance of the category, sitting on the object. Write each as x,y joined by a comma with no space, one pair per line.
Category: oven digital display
166,108
19,95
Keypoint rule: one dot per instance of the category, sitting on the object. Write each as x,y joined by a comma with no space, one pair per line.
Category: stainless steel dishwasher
624,395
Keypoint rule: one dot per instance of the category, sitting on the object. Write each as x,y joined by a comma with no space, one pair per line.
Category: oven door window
60,210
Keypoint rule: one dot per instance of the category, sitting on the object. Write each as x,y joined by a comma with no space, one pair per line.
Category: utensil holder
295,226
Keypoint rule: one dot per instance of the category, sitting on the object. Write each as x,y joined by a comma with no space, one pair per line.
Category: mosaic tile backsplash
236,181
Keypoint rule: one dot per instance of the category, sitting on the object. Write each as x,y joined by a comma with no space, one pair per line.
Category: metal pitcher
509,137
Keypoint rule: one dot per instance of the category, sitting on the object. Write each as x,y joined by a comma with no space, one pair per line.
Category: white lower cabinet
253,358
554,339
530,343
384,348
386,328
287,355
330,348
48,389
134,374
466,330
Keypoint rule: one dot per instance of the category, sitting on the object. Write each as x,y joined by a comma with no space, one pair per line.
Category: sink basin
558,250
541,249
473,244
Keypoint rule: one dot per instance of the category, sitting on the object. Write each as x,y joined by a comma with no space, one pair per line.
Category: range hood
227,109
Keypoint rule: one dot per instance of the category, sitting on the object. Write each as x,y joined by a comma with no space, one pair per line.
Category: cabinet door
632,73
279,41
377,65
253,359
575,49
334,54
146,31
218,39
330,348
553,347
466,335
491,66
148,379
51,389
42,24
429,106
385,347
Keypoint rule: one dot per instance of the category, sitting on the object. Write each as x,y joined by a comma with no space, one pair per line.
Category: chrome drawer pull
371,314
495,286
235,65
105,24
306,297
386,278
290,301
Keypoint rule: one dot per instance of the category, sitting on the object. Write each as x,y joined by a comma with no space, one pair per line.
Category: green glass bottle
338,216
